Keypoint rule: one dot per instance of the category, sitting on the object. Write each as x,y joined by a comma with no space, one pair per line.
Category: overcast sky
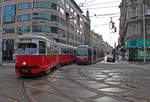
103,9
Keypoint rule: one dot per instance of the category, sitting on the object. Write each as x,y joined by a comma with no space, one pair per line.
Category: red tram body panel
63,59
35,63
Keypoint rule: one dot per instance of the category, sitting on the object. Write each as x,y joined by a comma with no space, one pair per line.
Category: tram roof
84,46
42,37
33,36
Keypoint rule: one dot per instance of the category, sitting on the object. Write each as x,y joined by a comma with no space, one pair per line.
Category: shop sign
138,43
141,43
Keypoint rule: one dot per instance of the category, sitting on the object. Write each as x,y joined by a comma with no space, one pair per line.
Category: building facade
61,20
87,29
135,29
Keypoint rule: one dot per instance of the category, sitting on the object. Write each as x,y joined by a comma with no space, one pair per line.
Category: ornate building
135,29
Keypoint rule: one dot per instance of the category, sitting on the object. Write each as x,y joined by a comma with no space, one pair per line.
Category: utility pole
1,35
144,29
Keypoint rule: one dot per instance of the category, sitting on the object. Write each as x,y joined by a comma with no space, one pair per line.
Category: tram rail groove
25,92
11,98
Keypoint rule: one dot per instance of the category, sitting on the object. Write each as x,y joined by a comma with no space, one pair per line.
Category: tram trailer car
86,54
36,54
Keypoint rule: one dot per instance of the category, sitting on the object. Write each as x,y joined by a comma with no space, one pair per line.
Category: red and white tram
86,54
36,54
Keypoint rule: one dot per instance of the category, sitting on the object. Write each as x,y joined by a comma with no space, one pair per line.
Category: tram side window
42,47
49,49
89,52
64,50
71,51
55,49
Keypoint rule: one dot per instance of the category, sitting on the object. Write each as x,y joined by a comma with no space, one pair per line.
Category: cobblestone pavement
99,82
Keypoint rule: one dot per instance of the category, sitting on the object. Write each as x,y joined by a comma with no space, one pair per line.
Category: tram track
25,92
52,84
92,89
51,79
10,98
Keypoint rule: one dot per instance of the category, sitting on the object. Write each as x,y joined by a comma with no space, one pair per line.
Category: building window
24,29
46,5
42,5
71,9
75,21
134,29
63,2
62,11
133,12
46,17
41,16
45,28
148,9
67,5
54,30
9,13
4,0
62,32
127,15
72,27
24,6
8,44
8,30
148,29
25,17
54,18
62,21
54,6
41,28
75,13
81,26
81,20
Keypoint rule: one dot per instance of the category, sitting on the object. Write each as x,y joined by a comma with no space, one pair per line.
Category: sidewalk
8,63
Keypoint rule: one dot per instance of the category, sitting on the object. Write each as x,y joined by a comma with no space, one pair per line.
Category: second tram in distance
86,54
36,54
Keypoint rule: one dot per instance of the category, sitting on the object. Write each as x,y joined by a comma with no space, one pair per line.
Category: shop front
8,49
135,50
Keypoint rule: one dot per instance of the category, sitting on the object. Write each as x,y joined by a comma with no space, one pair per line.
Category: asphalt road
99,82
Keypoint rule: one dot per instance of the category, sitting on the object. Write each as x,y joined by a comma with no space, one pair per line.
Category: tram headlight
24,63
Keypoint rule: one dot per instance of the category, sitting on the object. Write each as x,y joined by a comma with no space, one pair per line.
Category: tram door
56,49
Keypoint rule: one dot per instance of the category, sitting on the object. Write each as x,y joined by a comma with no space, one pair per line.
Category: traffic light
122,47
115,29
112,25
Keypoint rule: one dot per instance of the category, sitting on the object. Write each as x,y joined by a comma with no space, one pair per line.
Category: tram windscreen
26,48
82,51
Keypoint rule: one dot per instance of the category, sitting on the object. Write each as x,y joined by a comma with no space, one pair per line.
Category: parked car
110,58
